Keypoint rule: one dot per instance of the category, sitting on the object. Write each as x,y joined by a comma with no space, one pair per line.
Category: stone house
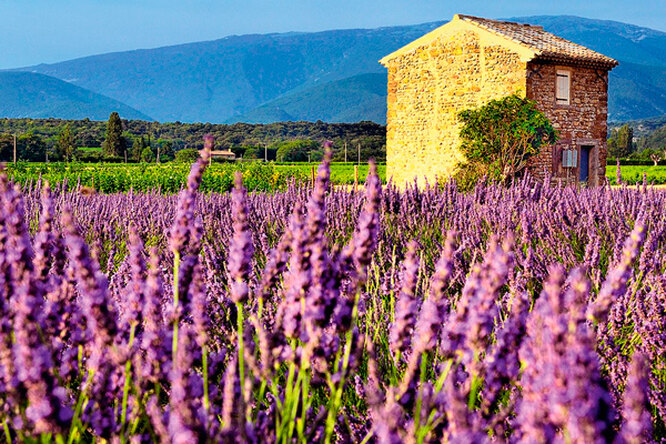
222,154
469,61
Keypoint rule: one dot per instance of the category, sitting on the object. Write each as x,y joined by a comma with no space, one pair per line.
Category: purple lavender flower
93,285
45,238
133,303
407,306
184,411
47,408
153,339
637,426
468,331
435,308
182,236
230,398
615,284
562,385
364,240
462,424
503,364
199,306
241,248
297,280
513,374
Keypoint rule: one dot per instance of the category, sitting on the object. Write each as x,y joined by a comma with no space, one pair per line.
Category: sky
47,31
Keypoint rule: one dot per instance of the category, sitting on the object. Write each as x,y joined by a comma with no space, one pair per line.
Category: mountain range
332,76
29,94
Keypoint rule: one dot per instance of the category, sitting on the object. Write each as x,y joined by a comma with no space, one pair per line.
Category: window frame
570,157
558,100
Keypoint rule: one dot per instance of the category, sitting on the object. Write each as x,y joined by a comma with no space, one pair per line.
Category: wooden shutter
563,87
557,159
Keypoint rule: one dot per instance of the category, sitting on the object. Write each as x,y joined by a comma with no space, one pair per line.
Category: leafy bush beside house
499,138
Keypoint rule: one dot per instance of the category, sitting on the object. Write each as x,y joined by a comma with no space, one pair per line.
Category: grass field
90,148
341,173
656,175
170,177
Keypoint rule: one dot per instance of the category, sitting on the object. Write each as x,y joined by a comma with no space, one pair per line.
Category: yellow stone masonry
429,86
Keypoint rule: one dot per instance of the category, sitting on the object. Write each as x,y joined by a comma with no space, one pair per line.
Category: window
569,158
562,90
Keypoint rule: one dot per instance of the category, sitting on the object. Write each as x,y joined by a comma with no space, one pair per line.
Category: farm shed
222,154
469,61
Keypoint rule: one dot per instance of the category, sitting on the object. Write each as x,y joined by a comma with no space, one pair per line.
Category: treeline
650,148
144,141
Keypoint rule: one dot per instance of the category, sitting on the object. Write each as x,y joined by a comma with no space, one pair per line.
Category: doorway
584,170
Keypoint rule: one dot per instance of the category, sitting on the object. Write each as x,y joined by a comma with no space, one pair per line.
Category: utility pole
345,152
14,148
159,137
359,153
265,152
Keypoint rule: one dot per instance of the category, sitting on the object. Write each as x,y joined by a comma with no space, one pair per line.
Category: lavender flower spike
406,305
241,248
182,235
637,427
616,282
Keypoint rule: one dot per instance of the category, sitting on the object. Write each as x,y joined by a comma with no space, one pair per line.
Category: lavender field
532,313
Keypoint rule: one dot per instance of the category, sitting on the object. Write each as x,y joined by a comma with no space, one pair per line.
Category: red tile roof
546,45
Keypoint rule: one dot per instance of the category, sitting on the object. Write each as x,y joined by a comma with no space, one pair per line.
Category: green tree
499,137
654,155
31,148
166,149
188,155
621,142
6,147
114,144
648,155
296,150
65,144
147,155
253,152
137,149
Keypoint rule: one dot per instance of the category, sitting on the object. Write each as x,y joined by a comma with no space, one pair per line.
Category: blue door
584,163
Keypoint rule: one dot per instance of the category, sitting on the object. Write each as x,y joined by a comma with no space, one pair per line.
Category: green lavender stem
174,343
126,386
337,397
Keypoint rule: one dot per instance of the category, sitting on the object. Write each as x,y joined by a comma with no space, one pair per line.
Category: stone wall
428,87
582,122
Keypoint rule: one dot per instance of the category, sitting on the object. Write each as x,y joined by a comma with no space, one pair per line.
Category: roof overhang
584,63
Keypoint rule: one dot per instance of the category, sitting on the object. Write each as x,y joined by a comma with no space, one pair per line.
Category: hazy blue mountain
24,94
332,75
642,127
361,97
218,80
622,41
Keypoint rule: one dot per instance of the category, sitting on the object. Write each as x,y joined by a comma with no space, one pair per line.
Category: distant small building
470,61
222,154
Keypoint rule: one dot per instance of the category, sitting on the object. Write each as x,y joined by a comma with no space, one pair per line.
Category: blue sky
44,31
